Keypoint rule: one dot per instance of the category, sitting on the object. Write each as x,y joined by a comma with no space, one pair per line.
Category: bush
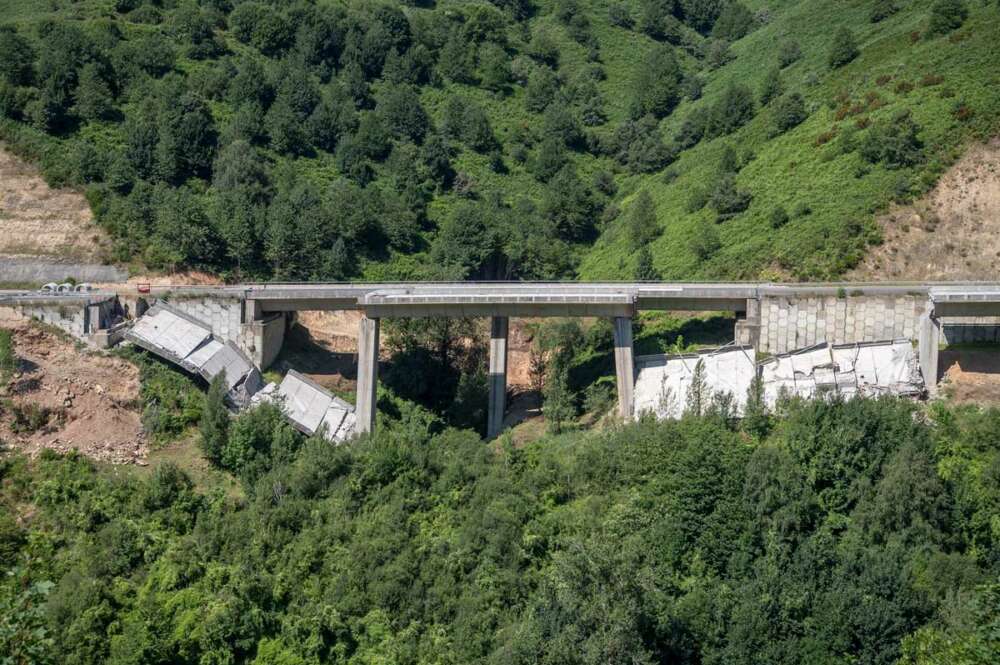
778,217
8,358
882,9
788,112
946,15
705,242
788,53
894,142
657,84
843,50
771,88
620,15
733,22
733,109
728,199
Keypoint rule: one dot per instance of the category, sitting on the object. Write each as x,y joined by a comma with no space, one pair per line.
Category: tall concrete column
367,373
927,347
498,375
624,365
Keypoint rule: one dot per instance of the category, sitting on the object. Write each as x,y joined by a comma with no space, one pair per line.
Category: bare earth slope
952,233
37,220
92,400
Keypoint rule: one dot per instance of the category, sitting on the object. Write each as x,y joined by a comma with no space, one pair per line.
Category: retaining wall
71,317
786,325
28,269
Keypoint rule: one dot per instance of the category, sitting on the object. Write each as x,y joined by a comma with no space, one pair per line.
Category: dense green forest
502,139
841,532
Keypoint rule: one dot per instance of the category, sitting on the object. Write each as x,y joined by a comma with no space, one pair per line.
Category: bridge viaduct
772,318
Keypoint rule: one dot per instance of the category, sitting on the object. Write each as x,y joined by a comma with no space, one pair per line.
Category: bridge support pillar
367,374
499,326
927,348
747,330
624,365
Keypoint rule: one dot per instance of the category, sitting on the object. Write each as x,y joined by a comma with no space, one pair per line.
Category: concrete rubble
866,369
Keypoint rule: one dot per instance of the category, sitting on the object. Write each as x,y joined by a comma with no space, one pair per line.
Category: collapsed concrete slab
663,382
310,407
866,369
182,339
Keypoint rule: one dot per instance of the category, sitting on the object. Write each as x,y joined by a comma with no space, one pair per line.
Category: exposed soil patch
971,375
37,220
951,234
65,398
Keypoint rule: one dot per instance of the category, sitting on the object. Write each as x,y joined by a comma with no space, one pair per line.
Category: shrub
843,49
946,15
734,21
620,15
733,110
728,199
882,9
894,142
705,242
778,217
788,53
826,136
657,84
789,111
8,359
771,88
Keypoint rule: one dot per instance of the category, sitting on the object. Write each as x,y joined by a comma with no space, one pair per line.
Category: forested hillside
860,532
322,139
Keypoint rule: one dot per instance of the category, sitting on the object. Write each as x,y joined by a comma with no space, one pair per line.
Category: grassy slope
790,169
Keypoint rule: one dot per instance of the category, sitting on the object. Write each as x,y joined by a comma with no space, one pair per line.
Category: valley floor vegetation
830,532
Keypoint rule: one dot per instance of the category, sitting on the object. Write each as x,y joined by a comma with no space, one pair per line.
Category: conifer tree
214,424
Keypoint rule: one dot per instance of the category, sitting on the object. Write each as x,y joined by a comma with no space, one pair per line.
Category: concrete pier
367,373
498,375
624,365
928,340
